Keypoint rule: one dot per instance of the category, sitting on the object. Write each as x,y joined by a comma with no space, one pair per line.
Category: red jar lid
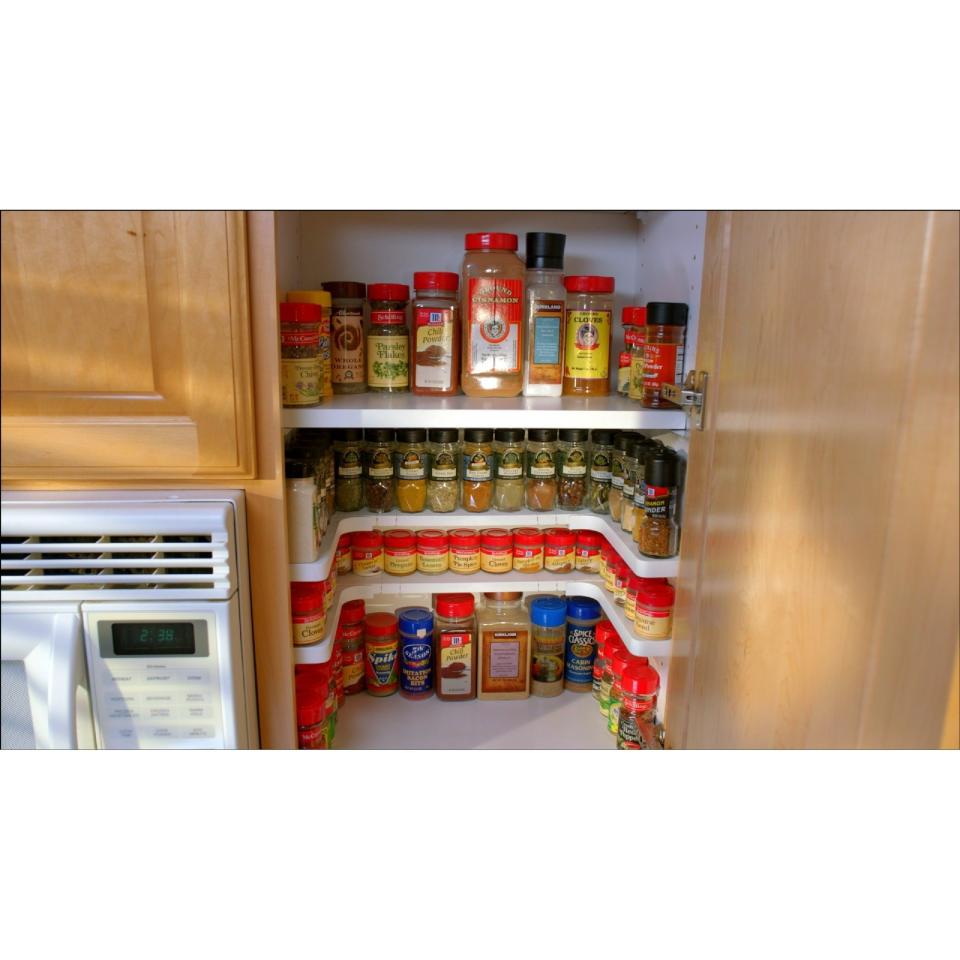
311,706
435,280
300,313
605,631
640,678
353,611
399,539
620,660
367,539
454,606
305,597
656,595
380,624
588,538
589,284
560,537
432,538
388,291
464,538
527,537
344,542
496,538
634,316
491,241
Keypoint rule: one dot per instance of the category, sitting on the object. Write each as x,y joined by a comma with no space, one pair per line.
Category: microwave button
197,711
159,712
199,732
123,713
195,676
196,696
162,733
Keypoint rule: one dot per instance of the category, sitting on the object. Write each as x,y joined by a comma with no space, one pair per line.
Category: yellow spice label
528,564
368,564
590,564
310,631
653,626
496,562
563,562
300,381
400,565
464,562
433,563
587,353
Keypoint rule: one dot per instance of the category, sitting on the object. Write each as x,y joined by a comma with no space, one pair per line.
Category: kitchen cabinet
126,346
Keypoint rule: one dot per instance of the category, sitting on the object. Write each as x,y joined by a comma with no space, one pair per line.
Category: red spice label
433,347
300,339
559,551
632,335
662,363
387,316
657,501
455,662
494,313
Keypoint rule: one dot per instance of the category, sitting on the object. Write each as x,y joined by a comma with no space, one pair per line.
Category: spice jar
378,486
476,492
631,471
411,465
609,558
613,648
433,551
301,368
350,635
634,335
416,652
639,486
307,613
586,358
508,487
346,335
324,301
399,552
455,647
442,486
367,549
545,296
588,551
527,549
381,641
343,561
338,672
654,610
303,535
436,331
621,574
503,630
573,457
541,482
601,465
663,350
630,598
548,618
348,467
559,550
638,707
464,551
496,550
388,342
621,660
621,443
623,373
312,721
583,615
607,639
658,530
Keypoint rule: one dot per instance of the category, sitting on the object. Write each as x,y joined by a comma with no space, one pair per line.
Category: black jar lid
542,435
349,435
623,440
638,449
576,435
602,438
662,314
660,467
477,435
298,470
411,435
545,250
378,435
508,435
345,289
444,435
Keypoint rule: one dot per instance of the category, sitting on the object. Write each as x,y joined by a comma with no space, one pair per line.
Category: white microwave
125,621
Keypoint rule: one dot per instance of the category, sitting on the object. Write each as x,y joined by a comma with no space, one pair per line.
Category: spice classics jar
508,486
346,335
573,456
496,550
586,358
638,707
477,459
436,332
344,557
301,367
601,466
367,549
411,458
583,615
442,485
657,535
433,551
588,551
348,467
350,636
399,552
541,481
464,551
378,484
455,647
548,618
416,652
388,342
381,640
634,335
663,350
307,613
654,610
559,550
527,549
324,301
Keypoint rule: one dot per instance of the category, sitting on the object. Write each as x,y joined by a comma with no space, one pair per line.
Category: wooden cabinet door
125,346
819,556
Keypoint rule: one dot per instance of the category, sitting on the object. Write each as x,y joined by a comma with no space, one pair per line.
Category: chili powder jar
663,350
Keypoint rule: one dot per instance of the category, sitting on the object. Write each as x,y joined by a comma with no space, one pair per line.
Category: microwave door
45,701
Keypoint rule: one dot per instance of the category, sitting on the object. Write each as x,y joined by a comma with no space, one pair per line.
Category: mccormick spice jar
623,372
621,575
338,671
455,647
381,640
307,613
433,551
350,635
346,335
496,550
476,493
583,615
541,482
656,534
442,486
436,332
559,552
607,638
527,549
399,552
630,598
638,707
573,454
416,652
301,367
663,350
367,549
609,558
324,301
388,342
588,551
464,551
586,358
348,467
411,467
312,721
634,335
654,610
378,486
344,556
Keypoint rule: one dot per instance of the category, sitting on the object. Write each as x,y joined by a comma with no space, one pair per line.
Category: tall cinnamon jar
492,297
586,359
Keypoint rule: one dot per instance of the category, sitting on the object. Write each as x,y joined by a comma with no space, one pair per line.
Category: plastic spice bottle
381,640
312,725
583,615
586,360
606,636
436,332
634,335
601,466
464,551
346,335
527,549
325,302
638,707
588,551
657,536
301,368
416,652
492,295
663,350
433,551
573,453
455,647
388,342
621,574
477,458
508,486
621,660
496,550
350,634
307,613
503,628
623,373
337,662
348,466
303,534
541,481
545,308
621,443
613,648
367,549
399,552
412,459
559,551
344,556
443,489
630,598
654,610
548,617
378,485
631,471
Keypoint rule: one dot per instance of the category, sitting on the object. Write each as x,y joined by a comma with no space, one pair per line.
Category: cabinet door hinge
691,395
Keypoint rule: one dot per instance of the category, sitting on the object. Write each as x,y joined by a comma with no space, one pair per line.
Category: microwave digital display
139,639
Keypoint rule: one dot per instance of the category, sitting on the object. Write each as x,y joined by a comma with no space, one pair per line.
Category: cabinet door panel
125,340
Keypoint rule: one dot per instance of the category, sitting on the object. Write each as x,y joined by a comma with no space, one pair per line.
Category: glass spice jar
638,707
301,367
653,613
621,443
573,456
631,469
508,486
323,300
527,549
541,481
433,551
307,613
436,331
442,484
634,335
559,550
410,454
350,634
496,550
545,303
344,557
381,641
588,551
346,335
348,467
586,356
378,486
663,350
399,552
367,549
388,342
477,458
658,530
601,464
464,551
